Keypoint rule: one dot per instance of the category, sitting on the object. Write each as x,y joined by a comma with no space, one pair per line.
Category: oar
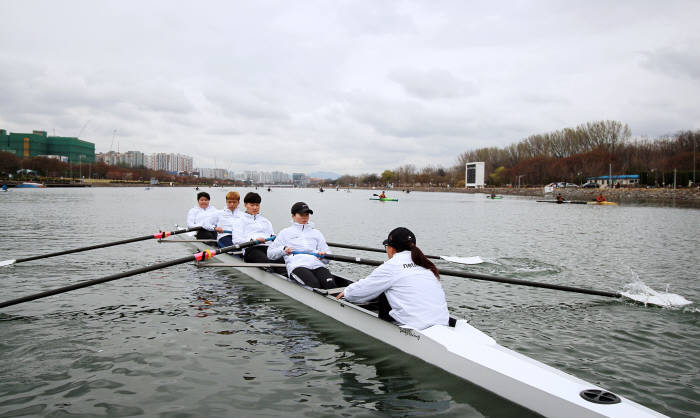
477,276
200,256
159,235
459,260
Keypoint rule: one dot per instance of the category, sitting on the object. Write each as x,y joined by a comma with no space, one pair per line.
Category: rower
600,198
406,286
227,220
493,195
560,198
382,195
199,216
306,269
253,226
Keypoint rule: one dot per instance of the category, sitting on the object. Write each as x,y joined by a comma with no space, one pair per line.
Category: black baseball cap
399,238
302,208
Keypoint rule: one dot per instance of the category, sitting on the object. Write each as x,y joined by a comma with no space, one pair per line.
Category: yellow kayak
602,203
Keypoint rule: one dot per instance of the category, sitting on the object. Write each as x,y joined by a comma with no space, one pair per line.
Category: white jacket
299,237
252,227
227,220
200,217
414,293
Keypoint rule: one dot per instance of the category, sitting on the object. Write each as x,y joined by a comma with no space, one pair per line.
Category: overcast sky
350,87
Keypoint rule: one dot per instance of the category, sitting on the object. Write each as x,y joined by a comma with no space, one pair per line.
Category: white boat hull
463,351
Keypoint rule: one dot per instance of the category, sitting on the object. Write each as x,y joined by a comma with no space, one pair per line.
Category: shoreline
629,195
659,195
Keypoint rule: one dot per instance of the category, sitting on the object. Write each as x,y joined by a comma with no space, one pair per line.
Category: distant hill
324,175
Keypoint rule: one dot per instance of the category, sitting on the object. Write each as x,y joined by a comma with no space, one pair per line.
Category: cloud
349,87
433,84
674,61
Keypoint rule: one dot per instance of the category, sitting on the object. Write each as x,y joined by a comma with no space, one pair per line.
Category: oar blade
664,300
6,263
463,260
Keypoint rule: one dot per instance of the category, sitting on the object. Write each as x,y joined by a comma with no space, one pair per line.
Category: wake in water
640,292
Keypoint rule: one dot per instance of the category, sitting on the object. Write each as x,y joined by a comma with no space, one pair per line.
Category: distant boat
29,184
573,202
602,203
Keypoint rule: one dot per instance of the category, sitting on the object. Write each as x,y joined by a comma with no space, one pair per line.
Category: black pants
383,307
320,278
205,234
225,241
258,254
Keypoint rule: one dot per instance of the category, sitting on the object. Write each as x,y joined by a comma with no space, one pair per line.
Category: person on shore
302,236
560,198
226,222
199,216
253,226
600,198
407,286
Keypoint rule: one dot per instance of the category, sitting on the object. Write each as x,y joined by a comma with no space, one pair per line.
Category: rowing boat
384,199
459,349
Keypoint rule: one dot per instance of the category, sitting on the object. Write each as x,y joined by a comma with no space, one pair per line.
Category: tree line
572,154
53,169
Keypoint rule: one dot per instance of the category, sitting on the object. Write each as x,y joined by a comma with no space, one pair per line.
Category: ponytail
420,259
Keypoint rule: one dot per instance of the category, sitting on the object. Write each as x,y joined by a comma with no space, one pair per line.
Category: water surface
184,341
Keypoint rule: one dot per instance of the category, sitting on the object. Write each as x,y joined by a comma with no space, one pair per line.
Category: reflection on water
187,341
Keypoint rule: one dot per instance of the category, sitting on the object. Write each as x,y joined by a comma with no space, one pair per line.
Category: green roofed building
37,143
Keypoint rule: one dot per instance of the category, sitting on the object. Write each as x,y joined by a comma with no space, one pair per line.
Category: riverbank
662,196
631,195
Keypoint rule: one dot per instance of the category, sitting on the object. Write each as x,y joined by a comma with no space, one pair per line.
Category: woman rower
199,216
253,226
226,221
302,236
407,285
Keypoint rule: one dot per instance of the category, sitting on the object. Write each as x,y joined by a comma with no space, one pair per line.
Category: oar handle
477,276
200,256
159,235
309,253
376,250
270,238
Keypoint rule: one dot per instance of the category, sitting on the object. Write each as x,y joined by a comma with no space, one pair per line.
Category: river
184,341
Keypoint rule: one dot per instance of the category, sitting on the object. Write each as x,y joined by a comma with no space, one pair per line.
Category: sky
345,86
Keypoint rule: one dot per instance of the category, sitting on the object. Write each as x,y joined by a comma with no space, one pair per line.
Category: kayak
603,203
495,197
384,199
573,202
